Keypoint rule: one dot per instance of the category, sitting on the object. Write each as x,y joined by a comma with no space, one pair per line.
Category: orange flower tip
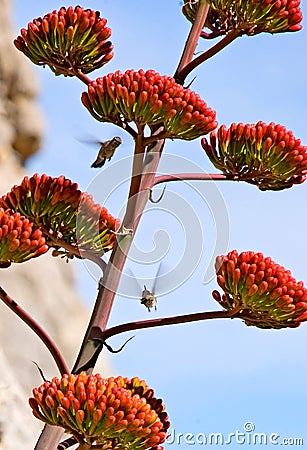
80,416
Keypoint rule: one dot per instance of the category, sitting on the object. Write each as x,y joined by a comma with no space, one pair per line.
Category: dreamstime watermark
246,436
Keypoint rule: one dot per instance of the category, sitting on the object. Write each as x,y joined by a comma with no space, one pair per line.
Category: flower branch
187,69
38,330
192,40
191,177
152,323
79,74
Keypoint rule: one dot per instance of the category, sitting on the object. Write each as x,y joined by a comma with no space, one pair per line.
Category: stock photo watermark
246,436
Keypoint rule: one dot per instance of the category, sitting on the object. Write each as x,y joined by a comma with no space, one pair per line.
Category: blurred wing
88,139
156,282
130,286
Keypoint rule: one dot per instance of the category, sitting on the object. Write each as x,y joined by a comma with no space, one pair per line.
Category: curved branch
186,70
192,40
191,177
38,330
109,332
86,80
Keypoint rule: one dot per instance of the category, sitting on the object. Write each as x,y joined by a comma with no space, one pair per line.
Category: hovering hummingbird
149,299
106,151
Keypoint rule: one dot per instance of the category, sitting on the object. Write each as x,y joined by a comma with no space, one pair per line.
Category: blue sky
214,376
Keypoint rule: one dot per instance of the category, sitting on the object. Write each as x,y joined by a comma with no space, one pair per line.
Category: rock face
44,286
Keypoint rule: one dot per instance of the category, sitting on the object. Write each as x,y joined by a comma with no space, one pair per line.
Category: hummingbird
149,299
106,151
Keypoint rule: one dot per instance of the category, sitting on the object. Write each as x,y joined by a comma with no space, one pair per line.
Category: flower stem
165,321
86,80
191,176
192,40
38,330
187,69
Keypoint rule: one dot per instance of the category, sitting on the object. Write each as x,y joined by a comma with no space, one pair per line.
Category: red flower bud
148,98
63,39
129,425
20,239
265,16
266,295
57,207
268,156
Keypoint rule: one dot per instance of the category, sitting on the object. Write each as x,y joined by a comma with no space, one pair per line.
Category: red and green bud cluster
253,17
264,293
20,239
148,98
73,37
117,412
64,212
266,155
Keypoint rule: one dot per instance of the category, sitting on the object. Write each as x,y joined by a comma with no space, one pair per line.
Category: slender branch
231,36
86,80
250,177
109,332
38,330
191,176
79,74
192,40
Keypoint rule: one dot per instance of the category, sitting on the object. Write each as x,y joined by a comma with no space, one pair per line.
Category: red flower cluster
103,410
256,16
63,211
20,240
266,155
73,37
264,293
148,98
